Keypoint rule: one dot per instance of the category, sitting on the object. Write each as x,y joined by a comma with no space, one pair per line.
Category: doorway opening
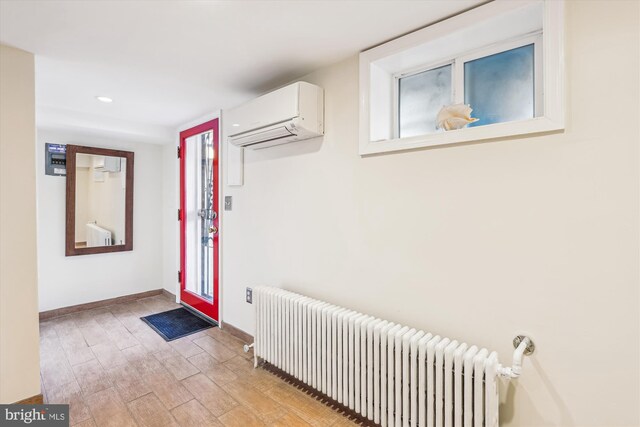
199,206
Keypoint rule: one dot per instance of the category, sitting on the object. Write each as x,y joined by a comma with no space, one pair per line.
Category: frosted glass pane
421,96
500,87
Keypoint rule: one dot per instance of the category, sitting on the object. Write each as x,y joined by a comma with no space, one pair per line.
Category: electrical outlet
250,295
228,203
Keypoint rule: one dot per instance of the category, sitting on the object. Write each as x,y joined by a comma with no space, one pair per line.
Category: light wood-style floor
114,370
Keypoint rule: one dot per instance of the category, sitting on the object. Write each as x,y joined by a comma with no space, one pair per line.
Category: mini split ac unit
289,114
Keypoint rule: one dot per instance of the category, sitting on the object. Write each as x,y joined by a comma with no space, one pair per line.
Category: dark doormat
174,324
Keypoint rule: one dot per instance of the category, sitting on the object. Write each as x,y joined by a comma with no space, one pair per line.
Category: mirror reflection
100,200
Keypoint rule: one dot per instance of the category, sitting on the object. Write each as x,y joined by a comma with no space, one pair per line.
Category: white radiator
391,374
97,236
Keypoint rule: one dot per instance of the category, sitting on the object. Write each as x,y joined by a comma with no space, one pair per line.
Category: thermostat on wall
55,162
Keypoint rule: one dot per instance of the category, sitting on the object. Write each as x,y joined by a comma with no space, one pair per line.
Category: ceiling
166,63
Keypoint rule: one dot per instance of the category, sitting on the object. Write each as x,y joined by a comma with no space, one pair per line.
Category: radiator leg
246,348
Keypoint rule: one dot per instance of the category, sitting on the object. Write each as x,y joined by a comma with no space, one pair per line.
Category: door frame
194,301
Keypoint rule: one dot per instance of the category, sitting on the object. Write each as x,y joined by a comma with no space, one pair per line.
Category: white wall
170,205
65,281
19,336
477,241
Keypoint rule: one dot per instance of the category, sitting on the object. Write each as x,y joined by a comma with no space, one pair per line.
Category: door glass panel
199,215
500,88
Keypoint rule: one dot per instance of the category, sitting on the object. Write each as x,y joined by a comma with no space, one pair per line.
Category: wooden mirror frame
70,246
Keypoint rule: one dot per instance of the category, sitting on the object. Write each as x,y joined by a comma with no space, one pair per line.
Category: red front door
199,203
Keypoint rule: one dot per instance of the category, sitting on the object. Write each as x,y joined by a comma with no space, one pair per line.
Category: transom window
504,59
501,83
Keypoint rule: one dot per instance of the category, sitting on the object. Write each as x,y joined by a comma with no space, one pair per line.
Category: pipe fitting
523,347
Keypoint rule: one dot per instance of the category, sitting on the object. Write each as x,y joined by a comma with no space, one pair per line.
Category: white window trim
552,64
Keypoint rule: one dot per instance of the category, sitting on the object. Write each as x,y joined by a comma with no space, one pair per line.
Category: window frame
457,72
376,120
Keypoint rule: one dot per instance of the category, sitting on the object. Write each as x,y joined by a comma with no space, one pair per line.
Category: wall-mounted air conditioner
106,163
289,114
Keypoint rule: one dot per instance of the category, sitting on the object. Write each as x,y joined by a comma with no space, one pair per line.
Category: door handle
207,214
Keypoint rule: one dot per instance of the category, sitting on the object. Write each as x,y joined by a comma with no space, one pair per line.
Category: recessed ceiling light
235,125
104,99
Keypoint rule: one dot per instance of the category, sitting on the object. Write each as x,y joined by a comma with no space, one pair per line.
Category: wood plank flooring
113,370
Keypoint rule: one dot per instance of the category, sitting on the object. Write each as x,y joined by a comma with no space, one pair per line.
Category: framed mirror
99,200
